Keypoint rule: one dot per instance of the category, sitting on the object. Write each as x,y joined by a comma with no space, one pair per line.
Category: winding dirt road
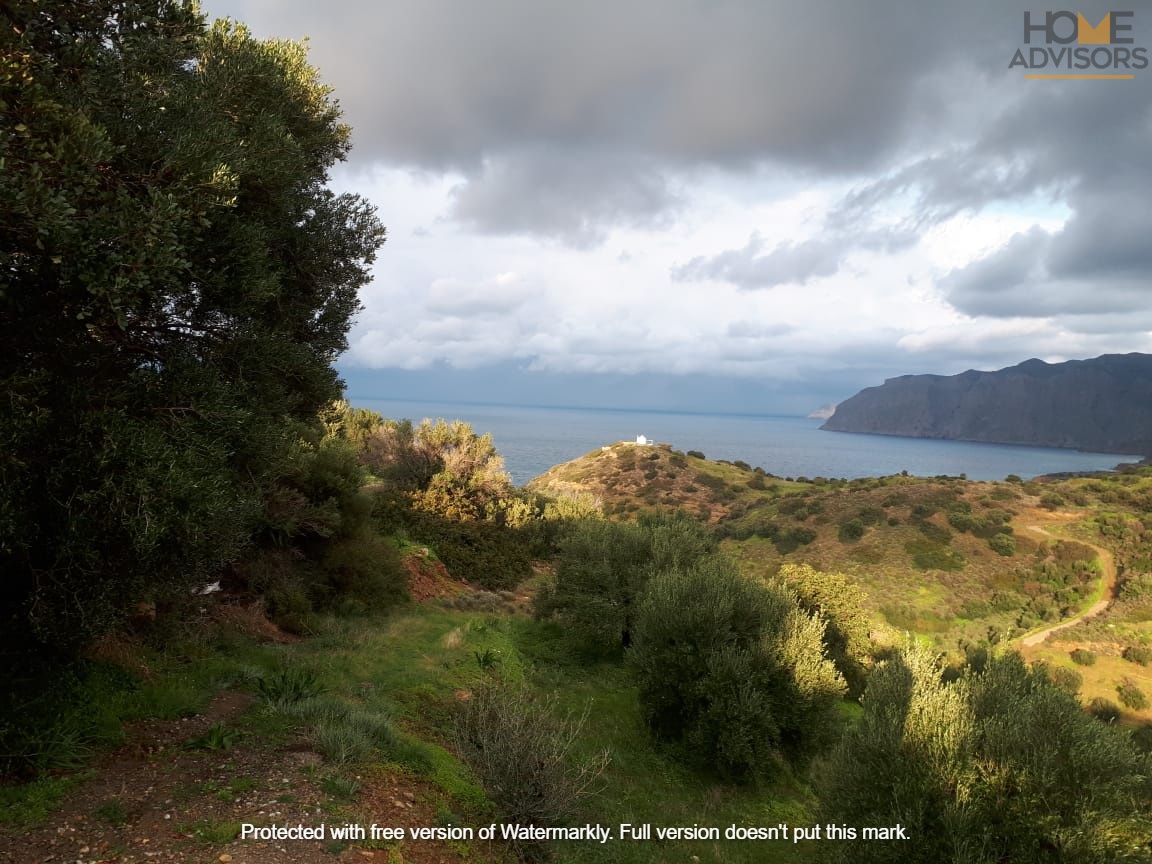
1107,565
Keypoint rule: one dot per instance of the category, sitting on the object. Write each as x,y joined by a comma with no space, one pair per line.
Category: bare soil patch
156,799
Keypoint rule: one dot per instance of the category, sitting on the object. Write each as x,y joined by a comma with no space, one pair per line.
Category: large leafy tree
175,280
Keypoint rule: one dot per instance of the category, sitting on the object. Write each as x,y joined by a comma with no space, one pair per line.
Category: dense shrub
695,454
1131,696
923,511
1002,544
962,519
973,609
843,605
791,539
320,547
732,670
756,522
358,574
1083,657
1104,709
930,556
934,533
1142,738
851,531
602,568
485,553
1062,677
1139,654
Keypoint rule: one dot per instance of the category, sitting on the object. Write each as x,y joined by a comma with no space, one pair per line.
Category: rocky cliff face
1103,405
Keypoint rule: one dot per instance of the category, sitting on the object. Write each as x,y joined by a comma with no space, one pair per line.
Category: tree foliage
732,669
601,571
996,766
175,279
442,467
844,607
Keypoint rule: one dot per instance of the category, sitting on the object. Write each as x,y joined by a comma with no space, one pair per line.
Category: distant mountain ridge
1102,405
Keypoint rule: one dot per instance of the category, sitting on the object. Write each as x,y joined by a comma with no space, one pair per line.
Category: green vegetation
732,670
1138,654
958,760
519,750
602,569
1131,696
1104,709
178,280
158,390
1061,676
847,621
1083,657
114,812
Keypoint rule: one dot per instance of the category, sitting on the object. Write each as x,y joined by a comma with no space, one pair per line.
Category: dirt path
158,799
1107,565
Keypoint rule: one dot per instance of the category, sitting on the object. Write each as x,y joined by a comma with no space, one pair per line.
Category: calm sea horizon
533,439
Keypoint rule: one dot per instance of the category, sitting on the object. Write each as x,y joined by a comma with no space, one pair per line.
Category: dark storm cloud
514,96
1004,283
447,84
1083,144
1108,235
533,193
1096,268
566,120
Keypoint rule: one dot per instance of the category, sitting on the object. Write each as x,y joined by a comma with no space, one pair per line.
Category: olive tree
1000,765
732,669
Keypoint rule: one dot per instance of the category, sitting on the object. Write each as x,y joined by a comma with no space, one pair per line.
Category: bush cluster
602,570
732,670
1138,654
1131,696
1001,754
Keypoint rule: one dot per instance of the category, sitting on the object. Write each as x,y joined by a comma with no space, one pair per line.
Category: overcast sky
738,204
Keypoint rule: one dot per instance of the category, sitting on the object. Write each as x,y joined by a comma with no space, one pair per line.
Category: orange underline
1080,77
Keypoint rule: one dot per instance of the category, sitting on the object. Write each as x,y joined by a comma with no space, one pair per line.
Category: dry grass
1101,678
630,479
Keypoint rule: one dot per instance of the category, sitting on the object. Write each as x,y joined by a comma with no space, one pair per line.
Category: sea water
533,439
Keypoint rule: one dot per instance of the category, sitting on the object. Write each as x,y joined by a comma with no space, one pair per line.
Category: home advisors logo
1072,42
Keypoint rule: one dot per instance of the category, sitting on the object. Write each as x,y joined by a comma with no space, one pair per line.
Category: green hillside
949,559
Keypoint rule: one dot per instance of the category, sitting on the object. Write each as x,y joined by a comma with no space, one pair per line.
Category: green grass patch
33,803
214,832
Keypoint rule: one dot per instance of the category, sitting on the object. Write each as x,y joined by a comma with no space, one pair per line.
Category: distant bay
533,439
